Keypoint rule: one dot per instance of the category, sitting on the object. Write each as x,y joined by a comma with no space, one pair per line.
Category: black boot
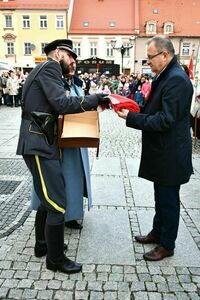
56,260
40,221
40,248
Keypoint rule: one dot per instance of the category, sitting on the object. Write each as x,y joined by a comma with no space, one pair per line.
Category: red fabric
191,68
118,102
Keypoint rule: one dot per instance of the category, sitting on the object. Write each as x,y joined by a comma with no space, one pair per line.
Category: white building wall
102,41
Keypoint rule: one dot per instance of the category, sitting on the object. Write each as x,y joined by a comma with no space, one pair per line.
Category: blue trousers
167,214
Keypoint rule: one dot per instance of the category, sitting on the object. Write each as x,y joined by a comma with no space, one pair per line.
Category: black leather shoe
147,239
66,265
40,248
73,224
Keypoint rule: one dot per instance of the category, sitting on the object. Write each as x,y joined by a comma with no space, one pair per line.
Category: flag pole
196,83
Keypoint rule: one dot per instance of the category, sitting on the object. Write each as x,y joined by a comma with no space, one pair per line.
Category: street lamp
123,48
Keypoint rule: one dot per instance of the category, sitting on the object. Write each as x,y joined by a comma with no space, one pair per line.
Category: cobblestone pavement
104,275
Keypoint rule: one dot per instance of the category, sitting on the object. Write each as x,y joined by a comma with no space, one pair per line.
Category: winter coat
166,157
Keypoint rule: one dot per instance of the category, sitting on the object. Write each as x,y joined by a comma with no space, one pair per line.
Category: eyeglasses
152,56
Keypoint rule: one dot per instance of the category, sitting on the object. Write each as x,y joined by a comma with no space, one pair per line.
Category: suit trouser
49,185
167,214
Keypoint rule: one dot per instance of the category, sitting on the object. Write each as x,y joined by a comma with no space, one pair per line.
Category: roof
184,14
99,13
35,4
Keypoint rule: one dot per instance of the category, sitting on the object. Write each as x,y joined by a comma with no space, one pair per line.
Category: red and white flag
118,102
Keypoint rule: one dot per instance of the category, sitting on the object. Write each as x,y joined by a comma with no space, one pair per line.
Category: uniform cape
76,171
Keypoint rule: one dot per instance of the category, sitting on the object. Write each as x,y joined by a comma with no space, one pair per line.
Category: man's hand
103,99
123,113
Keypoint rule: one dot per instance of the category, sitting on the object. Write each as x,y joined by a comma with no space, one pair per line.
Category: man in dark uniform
44,98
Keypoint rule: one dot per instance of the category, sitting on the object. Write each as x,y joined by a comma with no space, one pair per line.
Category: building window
8,21
42,48
168,28
112,24
59,22
77,48
10,48
27,48
43,21
127,52
85,24
93,49
109,50
151,27
155,11
26,22
185,49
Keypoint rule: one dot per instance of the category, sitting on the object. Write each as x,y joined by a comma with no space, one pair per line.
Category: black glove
103,99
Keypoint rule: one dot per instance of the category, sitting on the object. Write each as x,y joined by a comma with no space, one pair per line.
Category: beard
66,68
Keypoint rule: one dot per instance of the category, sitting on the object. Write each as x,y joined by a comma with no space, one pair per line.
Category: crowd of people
11,84
136,87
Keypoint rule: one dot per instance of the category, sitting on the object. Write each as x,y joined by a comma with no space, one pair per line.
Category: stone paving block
108,190
46,294
10,283
102,277
110,296
81,285
186,252
54,284
124,295
7,274
106,238
154,296
189,194
141,296
3,292
143,192
15,294
107,166
81,295
95,286
29,294
68,285
25,283
61,295
96,296
133,166
88,268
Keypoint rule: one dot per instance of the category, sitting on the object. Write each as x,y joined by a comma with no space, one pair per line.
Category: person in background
21,84
146,89
5,77
13,90
115,83
138,97
166,158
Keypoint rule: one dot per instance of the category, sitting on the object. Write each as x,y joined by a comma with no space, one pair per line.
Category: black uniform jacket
165,124
47,94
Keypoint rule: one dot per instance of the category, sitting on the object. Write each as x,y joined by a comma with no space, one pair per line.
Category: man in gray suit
44,98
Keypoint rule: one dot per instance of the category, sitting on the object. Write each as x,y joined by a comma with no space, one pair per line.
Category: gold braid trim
82,103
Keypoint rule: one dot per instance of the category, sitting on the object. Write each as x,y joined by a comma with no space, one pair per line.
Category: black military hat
60,44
